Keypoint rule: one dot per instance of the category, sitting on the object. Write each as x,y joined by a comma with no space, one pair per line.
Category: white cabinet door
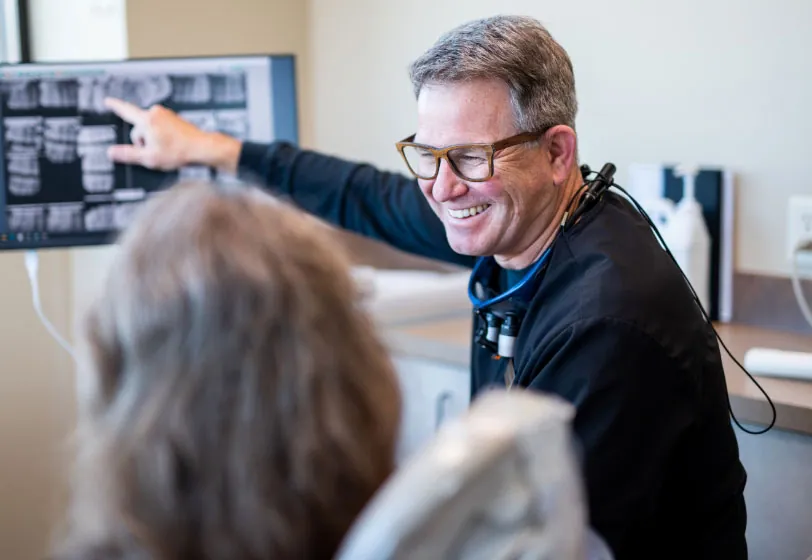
433,393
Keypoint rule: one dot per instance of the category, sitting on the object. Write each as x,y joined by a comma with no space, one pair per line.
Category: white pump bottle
687,236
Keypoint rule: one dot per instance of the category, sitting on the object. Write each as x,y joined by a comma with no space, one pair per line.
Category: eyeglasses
469,162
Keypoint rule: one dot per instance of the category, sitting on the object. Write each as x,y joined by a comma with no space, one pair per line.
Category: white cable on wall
804,246
32,267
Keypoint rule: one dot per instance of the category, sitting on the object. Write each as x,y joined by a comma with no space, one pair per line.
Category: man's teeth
468,212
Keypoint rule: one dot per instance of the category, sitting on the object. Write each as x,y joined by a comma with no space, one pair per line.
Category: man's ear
562,144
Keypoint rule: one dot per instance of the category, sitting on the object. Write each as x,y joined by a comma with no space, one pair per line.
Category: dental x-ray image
191,90
143,91
23,142
22,95
64,218
97,169
23,163
61,139
100,218
56,173
23,134
26,218
229,88
23,185
60,94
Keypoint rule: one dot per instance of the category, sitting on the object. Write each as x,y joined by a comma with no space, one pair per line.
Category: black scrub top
612,327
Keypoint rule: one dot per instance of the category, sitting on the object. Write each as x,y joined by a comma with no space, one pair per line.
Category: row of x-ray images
70,217
60,140
73,128
63,140
86,94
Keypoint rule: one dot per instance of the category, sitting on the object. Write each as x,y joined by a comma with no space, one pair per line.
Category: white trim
9,32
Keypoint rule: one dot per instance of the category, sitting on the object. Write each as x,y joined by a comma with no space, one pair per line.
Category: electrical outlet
799,222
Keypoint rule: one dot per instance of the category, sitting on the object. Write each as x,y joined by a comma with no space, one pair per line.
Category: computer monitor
58,188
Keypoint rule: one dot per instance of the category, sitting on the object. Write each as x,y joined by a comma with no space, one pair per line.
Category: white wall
723,82
10,38
77,30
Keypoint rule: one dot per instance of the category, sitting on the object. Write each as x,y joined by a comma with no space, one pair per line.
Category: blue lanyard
482,274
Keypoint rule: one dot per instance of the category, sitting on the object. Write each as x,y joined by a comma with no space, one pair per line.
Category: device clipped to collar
499,333
593,193
501,313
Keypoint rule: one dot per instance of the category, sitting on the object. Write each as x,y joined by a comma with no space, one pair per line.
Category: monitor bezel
110,237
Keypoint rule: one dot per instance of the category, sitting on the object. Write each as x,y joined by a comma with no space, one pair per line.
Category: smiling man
504,214
596,310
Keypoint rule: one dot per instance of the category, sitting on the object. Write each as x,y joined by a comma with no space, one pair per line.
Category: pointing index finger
127,111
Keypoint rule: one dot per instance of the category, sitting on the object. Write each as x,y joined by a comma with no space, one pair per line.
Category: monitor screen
58,188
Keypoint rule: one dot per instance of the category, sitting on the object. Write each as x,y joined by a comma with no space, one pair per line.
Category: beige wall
37,378
215,27
723,82
37,381
36,375
36,407
212,27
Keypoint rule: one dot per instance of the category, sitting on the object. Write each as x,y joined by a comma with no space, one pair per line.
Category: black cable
586,172
24,23
707,318
575,195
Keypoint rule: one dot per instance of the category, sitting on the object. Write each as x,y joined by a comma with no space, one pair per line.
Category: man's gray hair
515,49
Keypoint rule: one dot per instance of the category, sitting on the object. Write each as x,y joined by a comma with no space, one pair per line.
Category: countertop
448,340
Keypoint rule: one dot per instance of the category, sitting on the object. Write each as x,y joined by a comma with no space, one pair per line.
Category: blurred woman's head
241,405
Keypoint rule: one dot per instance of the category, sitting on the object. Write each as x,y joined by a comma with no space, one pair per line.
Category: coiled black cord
586,172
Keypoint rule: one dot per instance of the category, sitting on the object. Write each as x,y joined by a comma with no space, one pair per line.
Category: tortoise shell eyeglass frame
442,153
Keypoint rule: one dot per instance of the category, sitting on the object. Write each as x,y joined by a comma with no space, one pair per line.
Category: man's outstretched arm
358,197
384,206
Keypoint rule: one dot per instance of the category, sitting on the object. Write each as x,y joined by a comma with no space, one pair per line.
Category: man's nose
447,186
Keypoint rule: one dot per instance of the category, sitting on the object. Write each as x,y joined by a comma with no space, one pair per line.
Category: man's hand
161,139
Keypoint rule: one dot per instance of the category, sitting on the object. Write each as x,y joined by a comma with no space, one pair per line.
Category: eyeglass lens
471,162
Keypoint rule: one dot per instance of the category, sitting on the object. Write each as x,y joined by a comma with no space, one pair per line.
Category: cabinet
433,392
